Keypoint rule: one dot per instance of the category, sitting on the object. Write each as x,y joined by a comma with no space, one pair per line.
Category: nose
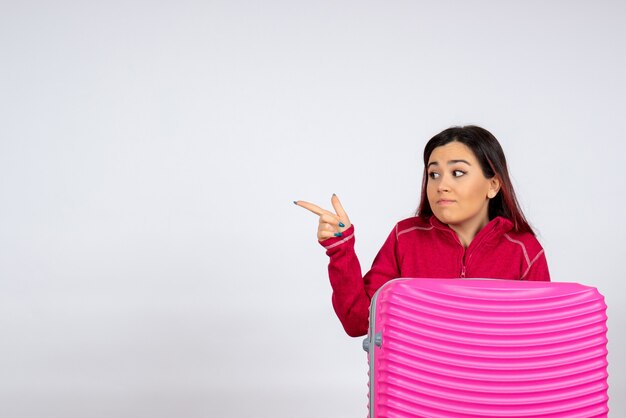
443,186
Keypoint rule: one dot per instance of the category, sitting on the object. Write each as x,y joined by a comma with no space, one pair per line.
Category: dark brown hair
489,154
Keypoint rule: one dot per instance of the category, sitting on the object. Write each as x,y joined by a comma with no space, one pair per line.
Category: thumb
339,210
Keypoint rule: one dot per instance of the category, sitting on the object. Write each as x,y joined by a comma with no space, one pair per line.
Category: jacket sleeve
538,268
352,292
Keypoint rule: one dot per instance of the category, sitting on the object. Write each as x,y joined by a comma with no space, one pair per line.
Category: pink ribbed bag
487,348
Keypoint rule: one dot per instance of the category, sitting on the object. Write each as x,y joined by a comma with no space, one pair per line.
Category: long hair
489,154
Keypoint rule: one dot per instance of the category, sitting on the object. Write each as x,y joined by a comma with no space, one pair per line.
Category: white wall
151,261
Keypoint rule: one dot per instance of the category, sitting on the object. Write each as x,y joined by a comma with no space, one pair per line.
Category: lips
445,202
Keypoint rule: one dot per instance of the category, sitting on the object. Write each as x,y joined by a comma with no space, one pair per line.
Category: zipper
463,263
469,255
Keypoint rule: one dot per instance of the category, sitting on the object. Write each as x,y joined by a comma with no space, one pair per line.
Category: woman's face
457,189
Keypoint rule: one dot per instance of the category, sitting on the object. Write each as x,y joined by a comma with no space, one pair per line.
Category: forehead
452,151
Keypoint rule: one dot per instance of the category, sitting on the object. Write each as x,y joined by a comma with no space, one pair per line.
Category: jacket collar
497,224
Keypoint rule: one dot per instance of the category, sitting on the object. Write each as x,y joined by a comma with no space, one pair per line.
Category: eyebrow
449,162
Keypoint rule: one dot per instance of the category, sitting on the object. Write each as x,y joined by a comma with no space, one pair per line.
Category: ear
494,187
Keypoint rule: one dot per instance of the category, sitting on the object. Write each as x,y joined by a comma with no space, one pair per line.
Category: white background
152,263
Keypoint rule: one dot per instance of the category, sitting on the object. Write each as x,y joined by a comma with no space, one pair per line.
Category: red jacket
428,249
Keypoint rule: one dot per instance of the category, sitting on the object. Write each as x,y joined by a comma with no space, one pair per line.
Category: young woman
468,224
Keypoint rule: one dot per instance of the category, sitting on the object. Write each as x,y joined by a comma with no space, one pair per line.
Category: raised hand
331,224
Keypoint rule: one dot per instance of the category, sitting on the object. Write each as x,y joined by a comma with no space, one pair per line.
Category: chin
443,217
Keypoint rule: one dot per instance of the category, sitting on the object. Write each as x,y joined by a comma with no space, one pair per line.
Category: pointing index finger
311,207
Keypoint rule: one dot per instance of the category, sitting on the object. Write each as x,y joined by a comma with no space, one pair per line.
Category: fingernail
295,203
334,194
341,224
338,234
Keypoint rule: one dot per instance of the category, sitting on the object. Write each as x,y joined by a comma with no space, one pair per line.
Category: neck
468,231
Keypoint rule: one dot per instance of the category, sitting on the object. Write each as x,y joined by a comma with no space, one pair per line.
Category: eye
458,173
433,175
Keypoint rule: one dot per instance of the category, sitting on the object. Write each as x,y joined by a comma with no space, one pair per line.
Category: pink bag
487,348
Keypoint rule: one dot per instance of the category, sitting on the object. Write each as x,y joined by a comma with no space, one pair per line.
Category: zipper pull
463,272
